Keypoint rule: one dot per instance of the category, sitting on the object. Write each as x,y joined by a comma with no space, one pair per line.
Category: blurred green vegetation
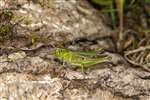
116,8
107,6
126,14
147,1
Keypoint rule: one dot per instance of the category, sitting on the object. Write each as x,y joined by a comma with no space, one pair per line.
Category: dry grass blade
142,59
120,9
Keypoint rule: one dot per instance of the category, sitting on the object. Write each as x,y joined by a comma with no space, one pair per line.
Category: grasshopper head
59,52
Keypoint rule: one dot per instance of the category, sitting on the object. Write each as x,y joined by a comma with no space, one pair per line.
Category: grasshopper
80,59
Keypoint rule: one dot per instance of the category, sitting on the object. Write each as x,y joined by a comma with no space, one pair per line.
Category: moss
27,20
6,28
5,32
6,15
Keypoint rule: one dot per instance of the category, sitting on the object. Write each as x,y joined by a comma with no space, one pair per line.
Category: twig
144,66
137,50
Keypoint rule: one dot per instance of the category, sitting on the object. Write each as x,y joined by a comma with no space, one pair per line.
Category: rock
79,20
31,75
16,56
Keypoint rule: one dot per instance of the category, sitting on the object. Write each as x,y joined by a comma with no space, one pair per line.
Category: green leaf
147,1
108,10
103,2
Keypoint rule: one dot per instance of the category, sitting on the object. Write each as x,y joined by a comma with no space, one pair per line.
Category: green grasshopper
80,59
